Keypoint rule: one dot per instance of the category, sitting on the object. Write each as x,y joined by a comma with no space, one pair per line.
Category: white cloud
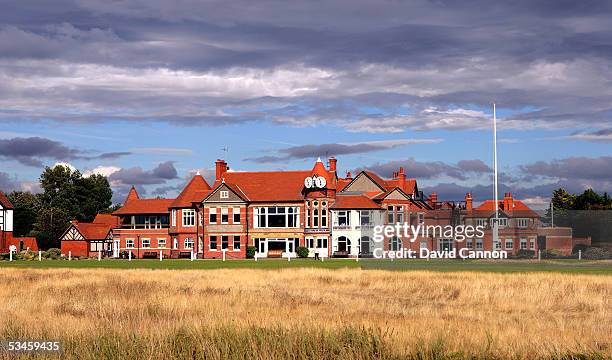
102,170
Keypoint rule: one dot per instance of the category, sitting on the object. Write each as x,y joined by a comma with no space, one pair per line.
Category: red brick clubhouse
278,211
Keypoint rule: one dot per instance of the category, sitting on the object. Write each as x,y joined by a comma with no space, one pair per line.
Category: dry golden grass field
308,313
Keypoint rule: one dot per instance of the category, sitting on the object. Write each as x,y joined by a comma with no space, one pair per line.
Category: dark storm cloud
137,176
596,169
317,61
30,151
311,151
431,169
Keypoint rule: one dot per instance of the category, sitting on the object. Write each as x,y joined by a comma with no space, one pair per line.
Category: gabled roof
92,231
235,188
354,202
487,208
5,201
410,186
145,206
268,185
195,191
107,219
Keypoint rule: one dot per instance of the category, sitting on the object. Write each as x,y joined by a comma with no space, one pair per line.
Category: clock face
308,182
321,182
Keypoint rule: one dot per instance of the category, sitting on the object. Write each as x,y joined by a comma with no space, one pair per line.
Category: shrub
525,254
551,254
302,252
597,253
53,253
250,253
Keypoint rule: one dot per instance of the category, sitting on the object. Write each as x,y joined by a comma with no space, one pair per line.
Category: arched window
315,218
395,244
364,245
344,244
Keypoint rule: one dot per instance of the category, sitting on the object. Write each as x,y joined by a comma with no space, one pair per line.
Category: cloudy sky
149,91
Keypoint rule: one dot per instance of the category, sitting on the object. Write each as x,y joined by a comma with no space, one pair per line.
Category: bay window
277,217
188,217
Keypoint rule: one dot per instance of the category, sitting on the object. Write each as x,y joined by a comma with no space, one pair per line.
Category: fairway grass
308,313
503,266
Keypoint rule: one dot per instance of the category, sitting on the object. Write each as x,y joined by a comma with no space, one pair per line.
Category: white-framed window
323,218
212,216
129,243
212,243
509,244
146,243
188,243
399,214
315,218
321,243
445,244
523,244
224,216
307,211
224,242
479,244
497,245
188,217
468,243
421,218
277,217
522,223
224,194
173,217
175,243
503,222
236,215
423,244
531,244
365,217
161,243
344,218
395,243
96,246
309,242
236,244
390,215
481,222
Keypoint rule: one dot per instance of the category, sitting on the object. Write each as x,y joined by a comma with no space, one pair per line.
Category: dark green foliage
250,253
302,252
26,206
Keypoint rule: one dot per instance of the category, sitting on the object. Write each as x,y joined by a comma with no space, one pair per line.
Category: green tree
50,225
59,184
94,194
26,206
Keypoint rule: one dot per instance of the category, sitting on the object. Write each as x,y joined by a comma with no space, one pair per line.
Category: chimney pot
221,168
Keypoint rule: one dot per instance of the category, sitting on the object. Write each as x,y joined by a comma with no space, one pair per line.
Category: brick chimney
333,162
468,201
433,198
221,169
401,176
508,202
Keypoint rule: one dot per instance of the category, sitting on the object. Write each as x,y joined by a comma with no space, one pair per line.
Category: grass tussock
309,314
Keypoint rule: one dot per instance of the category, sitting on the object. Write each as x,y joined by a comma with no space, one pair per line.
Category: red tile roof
93,231
409,188
132,195
269,185
107,219
145,206
519,209
354,202
195,191
5,201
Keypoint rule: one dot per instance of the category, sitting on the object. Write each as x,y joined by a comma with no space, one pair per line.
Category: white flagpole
495,228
